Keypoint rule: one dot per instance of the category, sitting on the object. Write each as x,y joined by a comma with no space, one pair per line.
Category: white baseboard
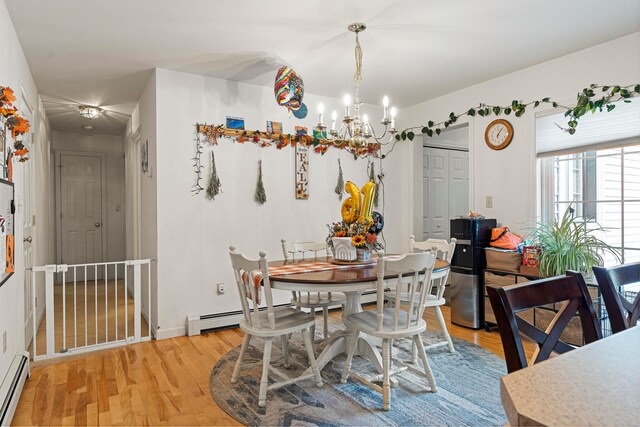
11,387
165,333
198,323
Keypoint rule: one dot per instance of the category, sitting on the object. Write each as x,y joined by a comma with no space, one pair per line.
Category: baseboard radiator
210,322
12,386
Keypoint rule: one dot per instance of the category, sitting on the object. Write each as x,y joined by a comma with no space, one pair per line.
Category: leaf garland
213,133
214,187
339,190
260,195
586,101
14,122
197,167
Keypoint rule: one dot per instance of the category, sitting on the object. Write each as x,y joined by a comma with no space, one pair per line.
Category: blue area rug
468,384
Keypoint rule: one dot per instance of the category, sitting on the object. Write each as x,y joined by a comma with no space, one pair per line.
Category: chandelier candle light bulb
347,103
321,118
385,104
393,117
334,116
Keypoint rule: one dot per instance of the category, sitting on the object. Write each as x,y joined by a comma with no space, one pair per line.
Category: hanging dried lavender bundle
372,177
340,185
260,196
214,187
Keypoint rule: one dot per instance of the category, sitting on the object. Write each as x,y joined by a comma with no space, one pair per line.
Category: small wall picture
302,172
235,123
301,130
274,127
318,133
144,154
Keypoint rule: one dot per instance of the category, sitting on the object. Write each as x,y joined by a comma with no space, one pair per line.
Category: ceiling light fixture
90,112
355,129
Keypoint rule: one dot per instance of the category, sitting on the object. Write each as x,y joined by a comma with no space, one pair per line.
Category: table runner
283,270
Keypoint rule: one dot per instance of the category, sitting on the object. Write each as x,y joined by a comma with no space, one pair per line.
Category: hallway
98,328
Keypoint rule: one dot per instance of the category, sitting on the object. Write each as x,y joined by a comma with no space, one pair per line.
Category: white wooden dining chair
442,250
312,300
412,275
272,323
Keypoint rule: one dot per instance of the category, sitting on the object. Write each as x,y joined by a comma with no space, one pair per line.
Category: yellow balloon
369,191
351,206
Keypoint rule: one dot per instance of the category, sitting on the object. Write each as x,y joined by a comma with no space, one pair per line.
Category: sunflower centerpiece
356,236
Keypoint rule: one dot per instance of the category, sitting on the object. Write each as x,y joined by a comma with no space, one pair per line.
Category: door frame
103,195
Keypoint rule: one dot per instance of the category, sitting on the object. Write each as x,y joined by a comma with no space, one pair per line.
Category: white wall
14,72
112,148
509,175
194,234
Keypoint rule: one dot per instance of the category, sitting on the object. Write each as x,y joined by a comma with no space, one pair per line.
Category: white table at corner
594,385
353,282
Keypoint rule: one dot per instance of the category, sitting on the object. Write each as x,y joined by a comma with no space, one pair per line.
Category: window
603,188
596,176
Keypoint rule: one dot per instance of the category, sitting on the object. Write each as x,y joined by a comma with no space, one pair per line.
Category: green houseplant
569,244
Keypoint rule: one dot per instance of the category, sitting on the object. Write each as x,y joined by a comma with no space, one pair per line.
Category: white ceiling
102,52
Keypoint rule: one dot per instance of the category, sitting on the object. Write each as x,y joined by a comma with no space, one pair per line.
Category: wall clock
499,134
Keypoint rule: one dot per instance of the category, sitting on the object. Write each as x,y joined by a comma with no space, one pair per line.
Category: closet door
458,183
426,167
438,200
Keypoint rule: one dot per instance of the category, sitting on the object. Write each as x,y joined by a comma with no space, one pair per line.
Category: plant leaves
438,131
411,135
425,130
471,112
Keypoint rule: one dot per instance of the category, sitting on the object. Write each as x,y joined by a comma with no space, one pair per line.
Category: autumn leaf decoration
16,124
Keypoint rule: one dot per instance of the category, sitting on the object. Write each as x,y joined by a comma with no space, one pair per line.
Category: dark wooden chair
623,314
509,300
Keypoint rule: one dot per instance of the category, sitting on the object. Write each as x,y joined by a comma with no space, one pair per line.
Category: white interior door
458,183
426,164
80,209
28,220
438,202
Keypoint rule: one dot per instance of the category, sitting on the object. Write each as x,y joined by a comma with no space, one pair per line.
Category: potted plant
343,238
569,243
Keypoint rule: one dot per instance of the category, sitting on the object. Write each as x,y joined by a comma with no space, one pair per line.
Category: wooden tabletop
598,384
357,274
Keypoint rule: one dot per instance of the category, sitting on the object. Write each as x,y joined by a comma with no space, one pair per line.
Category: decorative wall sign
274,128
235,123
302,172
301,131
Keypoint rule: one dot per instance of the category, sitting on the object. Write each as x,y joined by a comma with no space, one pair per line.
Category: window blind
603,129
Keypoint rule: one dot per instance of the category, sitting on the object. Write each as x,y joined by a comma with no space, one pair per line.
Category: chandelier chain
357,77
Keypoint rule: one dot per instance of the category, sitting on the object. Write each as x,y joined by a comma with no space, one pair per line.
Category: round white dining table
353,282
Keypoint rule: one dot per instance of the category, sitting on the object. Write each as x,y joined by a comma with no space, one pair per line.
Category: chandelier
357,129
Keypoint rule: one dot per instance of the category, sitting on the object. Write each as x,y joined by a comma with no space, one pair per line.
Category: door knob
27,239
97,224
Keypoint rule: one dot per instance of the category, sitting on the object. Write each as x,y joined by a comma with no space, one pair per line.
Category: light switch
489,202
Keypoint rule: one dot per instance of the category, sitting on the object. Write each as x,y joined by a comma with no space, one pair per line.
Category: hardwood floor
154,383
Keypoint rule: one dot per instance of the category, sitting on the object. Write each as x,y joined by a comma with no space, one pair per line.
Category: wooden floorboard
154,383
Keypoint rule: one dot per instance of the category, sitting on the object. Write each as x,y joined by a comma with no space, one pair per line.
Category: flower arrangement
361,237
16,124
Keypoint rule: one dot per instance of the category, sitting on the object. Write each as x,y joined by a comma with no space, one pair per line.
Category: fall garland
320,146
16,124
586,101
